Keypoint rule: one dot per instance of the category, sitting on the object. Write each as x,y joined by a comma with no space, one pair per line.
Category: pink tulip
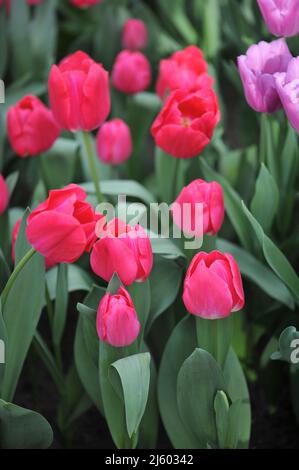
4,195
281,16
85,3
213,286
79,93
117,320
258,68
134,35
63,227
31,127
131,72
287,85
186,69
122,249
210,195
114,142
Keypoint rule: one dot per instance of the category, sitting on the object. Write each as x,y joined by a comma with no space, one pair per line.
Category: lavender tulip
287,85
257,69
281,16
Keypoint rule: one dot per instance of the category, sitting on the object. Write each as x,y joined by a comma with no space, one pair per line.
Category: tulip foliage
148,208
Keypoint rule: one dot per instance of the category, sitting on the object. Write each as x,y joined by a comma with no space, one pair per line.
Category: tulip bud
122,249
131,72
134,35
213,286
4,195
210,195
79,93
281,17
63,227
258,68
186,123
31,127
287,85
185,70
117,320
85,3
114,142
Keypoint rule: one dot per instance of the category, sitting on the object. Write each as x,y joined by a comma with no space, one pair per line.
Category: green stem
15,274
175,179
56,347
215,336
86,139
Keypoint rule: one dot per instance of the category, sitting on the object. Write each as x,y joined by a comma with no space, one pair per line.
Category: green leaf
180,345
122,187
177,15
77,280
141,296
275,258
61,303
23,429
114,284
237,390
20,38
114,409
258,273
199,379
221,407
21,312
211,28
3,346
134,373
11,181
59,163
233,206
265,201
169,170
165,281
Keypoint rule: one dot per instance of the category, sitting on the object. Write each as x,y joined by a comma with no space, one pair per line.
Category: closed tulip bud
122,249
114,142
213,286
85,3
31,127
184,214
131,72
258,68
117,320
4,195
79,93
185,70
281,16
287,85
63,227
134,35
186,122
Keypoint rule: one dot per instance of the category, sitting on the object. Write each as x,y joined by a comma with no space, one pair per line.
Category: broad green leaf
11,181
134,373
221,407
122,187
233,206
177,15
61,303
59,163
215,337
21,312
237,390
258,273
265,201
3,346
165,281
199,380
275,258
211,28
23,429
20,38
77,280
141,296
180,345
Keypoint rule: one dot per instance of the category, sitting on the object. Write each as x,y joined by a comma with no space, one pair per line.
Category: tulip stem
175,178
86,138
15,274
215,336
